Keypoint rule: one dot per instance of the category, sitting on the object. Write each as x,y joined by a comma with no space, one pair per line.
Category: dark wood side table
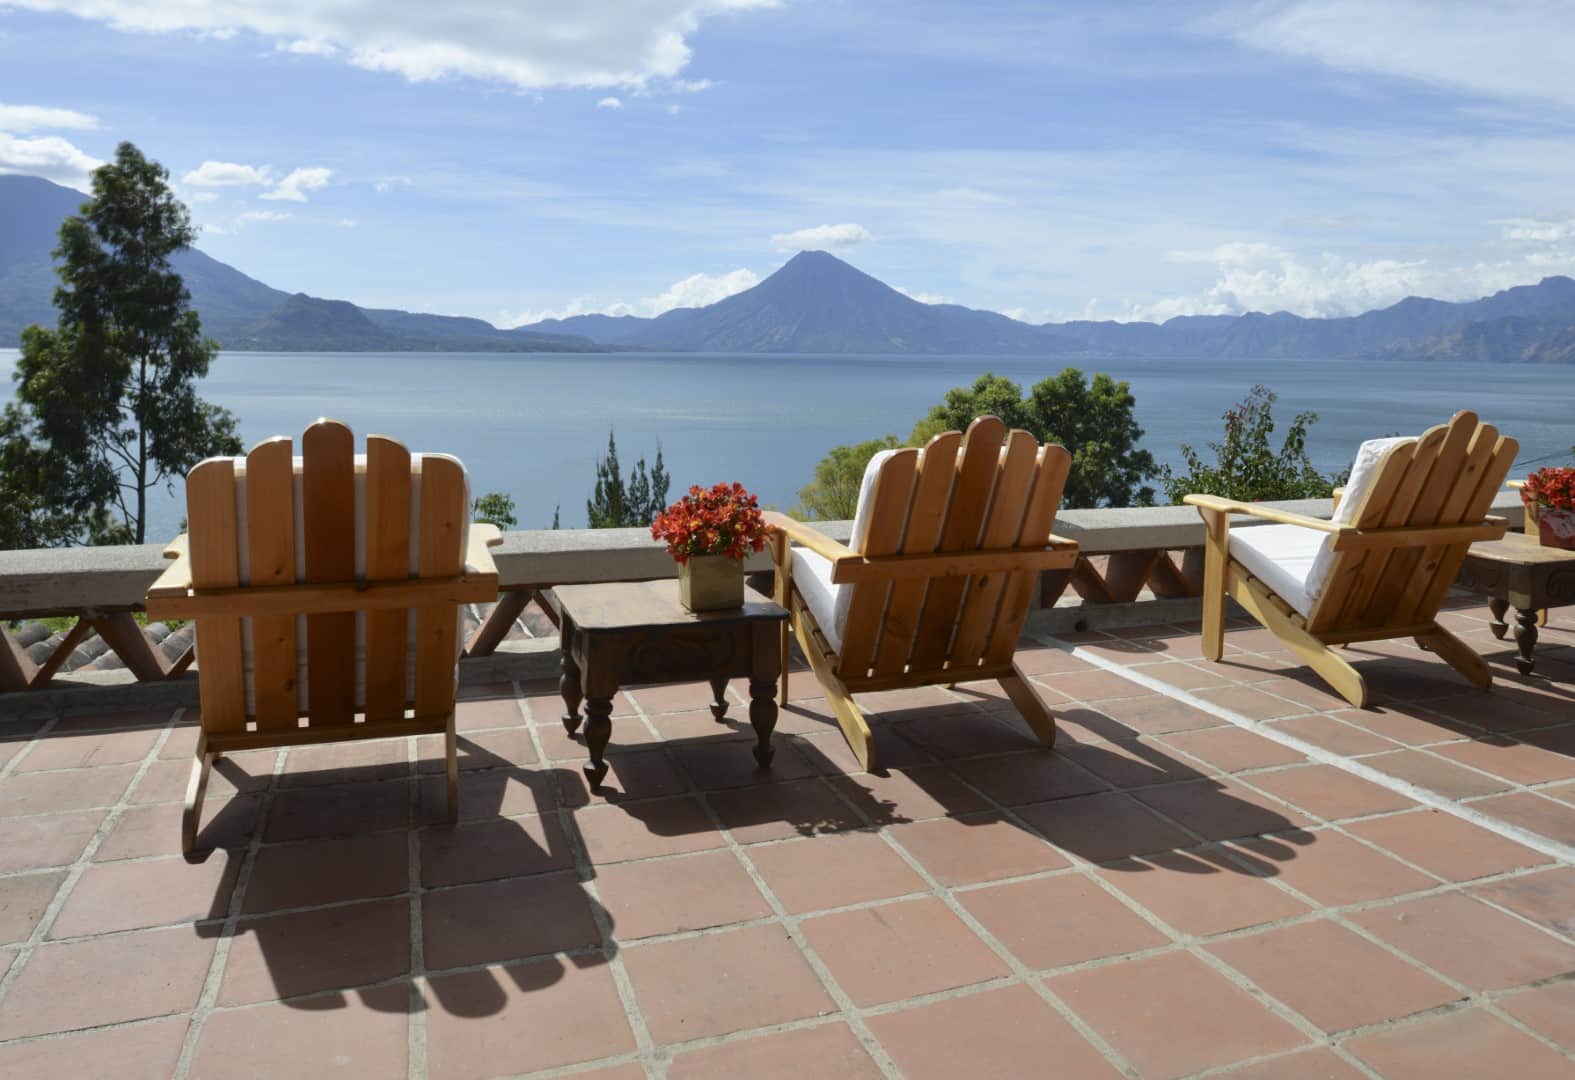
620,634
1519,572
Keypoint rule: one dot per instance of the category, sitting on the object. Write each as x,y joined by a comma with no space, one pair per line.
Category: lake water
532,425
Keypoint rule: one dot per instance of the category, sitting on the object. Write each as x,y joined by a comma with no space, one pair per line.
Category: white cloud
609,103
293,188
925,297
227,174
347,223
1256,276
308,47
674,110
822,237
23,118
202,197
1518,51
1536,230
48,156
691,86
696,290
530,44
263,217
389,183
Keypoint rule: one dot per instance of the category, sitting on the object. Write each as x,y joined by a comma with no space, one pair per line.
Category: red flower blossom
720,520
1552,487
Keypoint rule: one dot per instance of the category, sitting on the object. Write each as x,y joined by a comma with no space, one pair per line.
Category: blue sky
516,158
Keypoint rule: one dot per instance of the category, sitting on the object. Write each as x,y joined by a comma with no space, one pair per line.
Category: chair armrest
808,536
1215,504
176,578
478,560
1338,495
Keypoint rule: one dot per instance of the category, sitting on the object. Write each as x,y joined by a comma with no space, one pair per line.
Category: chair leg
196,791
451,755
1215,556
1332,668
849,717
1030,705
1460,656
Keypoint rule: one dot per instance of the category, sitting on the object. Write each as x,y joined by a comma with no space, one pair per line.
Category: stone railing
1135,565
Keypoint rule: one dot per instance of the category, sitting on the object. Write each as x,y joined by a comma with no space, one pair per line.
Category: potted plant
1549,495
709,532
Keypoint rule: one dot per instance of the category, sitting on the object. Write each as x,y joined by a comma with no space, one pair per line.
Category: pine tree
106,403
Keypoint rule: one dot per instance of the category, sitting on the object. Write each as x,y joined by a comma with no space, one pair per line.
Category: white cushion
830,603
1364,473
812,579
360,573
1295,562
1280,556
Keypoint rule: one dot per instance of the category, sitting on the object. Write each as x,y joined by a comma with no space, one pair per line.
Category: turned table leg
598,732
763,717
1525,638
569,687
719,699
1498,608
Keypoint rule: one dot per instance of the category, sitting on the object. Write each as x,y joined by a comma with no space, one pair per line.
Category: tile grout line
78,866
207,999
1508,830
415,977
585,871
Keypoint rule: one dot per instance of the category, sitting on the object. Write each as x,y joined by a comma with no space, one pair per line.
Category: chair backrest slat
215,564
1051,467
387,559
981,456
1003,525
889,503
937,470
1492,455
1359,573
270,560
443,515
328,492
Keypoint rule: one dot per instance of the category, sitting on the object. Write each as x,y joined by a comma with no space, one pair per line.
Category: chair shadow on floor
1087,797
496,889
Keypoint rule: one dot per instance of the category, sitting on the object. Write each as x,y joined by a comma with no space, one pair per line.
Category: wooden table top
1520,549
642,605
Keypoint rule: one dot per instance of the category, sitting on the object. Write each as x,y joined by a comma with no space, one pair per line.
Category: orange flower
722,520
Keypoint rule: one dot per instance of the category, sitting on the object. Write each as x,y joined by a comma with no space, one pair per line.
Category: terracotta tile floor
1175,892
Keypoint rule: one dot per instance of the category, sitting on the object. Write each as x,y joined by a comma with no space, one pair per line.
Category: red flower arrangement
720,520
1552,487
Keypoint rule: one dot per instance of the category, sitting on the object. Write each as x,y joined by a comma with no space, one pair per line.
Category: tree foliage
834,493
106,403
617,505
494,508
1093,419
1247,467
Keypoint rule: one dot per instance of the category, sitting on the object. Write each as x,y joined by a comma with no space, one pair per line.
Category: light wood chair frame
958,537
202,583
1426,506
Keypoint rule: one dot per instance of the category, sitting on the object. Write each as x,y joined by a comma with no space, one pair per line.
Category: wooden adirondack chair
326,590
946,552
1379,569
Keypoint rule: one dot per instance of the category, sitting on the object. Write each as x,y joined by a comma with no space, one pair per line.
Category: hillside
239,311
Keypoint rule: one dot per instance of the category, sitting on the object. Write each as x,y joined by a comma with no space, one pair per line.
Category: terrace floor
1175,891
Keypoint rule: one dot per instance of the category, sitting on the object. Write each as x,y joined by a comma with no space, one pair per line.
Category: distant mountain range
241,312
815,303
